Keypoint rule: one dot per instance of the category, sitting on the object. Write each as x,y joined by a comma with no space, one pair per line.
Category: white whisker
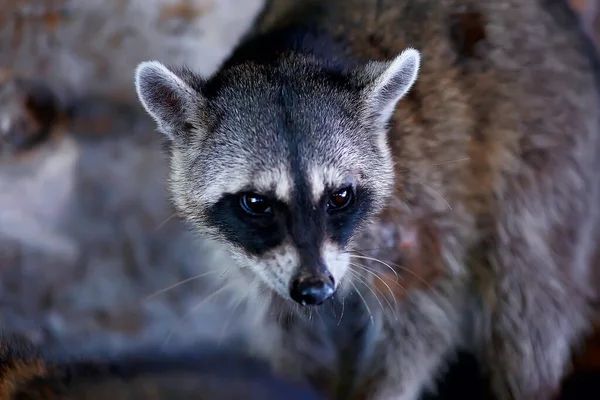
379,261
364,302
342,312
195,309
405,269
170,217
181,283
232,312
361,280
364,268
435,192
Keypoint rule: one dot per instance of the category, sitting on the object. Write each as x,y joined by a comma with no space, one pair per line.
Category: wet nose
312,290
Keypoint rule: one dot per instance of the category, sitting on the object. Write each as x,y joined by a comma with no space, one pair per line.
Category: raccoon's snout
312,289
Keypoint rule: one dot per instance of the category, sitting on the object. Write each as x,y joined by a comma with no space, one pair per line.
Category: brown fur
529,174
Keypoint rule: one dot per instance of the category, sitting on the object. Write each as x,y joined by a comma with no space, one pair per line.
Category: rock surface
86,228
92,46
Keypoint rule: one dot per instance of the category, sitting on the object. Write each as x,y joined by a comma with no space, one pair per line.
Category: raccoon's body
448,194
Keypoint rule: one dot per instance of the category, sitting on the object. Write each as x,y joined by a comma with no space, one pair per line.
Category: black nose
312,290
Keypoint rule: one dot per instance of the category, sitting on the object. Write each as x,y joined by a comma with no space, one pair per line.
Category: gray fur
486,191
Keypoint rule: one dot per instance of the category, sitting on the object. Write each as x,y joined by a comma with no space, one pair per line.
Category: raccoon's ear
168,97
387,83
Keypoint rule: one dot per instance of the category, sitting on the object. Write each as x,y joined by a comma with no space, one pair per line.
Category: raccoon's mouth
312,289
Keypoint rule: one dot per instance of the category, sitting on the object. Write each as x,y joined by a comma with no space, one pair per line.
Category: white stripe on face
336,260
321,178
237,179
274,268
279,179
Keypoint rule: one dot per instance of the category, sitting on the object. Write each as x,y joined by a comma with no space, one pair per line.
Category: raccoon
398,180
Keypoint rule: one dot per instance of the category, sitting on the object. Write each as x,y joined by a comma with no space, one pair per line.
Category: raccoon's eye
255,205
340,199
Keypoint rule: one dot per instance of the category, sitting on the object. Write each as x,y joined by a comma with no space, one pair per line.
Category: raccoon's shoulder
511,78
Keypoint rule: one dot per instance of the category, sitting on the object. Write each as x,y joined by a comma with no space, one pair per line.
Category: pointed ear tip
412,51
147,66
412,54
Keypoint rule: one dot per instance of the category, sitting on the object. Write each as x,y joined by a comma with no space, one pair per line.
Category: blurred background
86,229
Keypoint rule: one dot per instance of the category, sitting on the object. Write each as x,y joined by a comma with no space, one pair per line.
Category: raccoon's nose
312,290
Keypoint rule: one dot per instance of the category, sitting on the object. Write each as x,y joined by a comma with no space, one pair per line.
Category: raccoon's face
284,163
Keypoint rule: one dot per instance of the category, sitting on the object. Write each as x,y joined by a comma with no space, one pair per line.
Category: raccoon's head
283,162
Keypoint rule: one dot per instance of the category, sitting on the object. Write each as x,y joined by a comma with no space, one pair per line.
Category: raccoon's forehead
282,182
273,166
277,142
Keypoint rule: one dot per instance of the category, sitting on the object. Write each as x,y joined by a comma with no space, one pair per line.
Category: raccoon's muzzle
312,286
